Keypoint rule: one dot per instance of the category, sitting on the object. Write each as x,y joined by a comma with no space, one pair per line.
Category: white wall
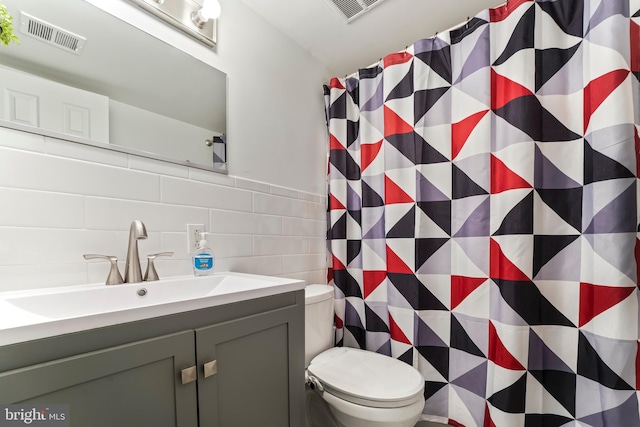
60,200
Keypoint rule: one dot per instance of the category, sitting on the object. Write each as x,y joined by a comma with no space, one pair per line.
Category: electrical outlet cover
193,236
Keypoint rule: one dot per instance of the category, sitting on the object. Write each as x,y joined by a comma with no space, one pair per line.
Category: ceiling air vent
51,34
352,9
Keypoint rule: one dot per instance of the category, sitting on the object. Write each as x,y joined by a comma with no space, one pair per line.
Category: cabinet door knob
210,368
189,374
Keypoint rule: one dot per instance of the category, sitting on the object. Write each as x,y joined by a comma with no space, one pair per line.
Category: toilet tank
318,320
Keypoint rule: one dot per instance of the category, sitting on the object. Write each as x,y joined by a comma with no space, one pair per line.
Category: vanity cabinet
247,359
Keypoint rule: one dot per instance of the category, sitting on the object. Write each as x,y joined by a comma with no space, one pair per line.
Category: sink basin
34,314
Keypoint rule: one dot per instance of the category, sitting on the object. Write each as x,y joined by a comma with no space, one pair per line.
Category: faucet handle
114,277
151,274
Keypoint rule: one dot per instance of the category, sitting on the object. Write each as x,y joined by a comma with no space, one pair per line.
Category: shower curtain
483,214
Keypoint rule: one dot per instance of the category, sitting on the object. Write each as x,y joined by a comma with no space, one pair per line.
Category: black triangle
561,385
427,247
458,34
326,90
439,61
404,88
374,322
521,37
407,356
353,249
432,387
356,215
342,160
568,15
525,298
527,114
439,212
353,89
370,73
547,247
353,130
425,154
463,186
512,398
637,14
438,357
339,228
370,198
415,292
519,220
359,334
550,61
346,283
545,420
405,227
405,144
460,340
590,365
598,167
566,202
423,100
338,108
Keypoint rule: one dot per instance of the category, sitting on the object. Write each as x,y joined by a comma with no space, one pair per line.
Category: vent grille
51,34
352,9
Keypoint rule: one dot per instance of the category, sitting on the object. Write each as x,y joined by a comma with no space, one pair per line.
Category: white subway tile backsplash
156,166
79,151
244,223
298,276
115,214
21,140
184,192
21,169
62,200
28,208
277,205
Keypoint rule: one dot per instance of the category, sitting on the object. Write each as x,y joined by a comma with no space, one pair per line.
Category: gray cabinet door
132,385
252,384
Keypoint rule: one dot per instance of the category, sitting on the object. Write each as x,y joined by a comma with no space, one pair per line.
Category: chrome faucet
132,270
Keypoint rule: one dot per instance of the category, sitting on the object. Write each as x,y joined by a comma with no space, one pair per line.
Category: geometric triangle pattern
483,221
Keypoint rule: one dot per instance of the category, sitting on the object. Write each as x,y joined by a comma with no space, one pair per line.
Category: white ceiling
390,26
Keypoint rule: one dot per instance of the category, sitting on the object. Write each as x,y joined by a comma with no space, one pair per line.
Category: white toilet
347,387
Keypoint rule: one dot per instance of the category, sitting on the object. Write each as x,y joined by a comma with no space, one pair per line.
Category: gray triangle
351,316
477,224
427,192
548,176
615,354
475,57
605,10
461,362
470,247
542,358
373,92
597,195
464,208
438,403
565,265
475,83
376,230
598,406
616,142
426,336
478,169
476,329
439,262
385,348
473,403
564,82
439,114
377,341
619,216
501,311
504,134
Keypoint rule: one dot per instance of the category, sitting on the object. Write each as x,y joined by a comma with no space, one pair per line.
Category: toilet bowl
349,387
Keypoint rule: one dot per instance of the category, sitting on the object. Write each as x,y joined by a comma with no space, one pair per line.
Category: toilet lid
367,378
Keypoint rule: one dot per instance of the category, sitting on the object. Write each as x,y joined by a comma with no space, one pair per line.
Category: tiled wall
59,200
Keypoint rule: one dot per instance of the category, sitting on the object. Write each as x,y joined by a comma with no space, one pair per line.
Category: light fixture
197,20
210,10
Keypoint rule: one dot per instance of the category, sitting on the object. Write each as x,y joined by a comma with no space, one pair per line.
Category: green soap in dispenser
203,259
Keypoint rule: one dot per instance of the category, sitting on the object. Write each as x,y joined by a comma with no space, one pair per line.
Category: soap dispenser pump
203,260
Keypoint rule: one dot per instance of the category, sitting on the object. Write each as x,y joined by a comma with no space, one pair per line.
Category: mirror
120,89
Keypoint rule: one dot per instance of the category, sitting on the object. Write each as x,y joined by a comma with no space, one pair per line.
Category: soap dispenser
203,260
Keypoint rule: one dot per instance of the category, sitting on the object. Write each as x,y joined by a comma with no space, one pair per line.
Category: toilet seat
367,378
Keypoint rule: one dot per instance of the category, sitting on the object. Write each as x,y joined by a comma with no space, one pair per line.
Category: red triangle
396,332
371,280
499,354
505,90
454,423
488,422
368,153
460,131
339,323
337,264
393,123
501,13
635,47
598,90
335,84
397,58
335,203
395,264
595,299
334,144
461,287
329,274
501,267
503,178
394,194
